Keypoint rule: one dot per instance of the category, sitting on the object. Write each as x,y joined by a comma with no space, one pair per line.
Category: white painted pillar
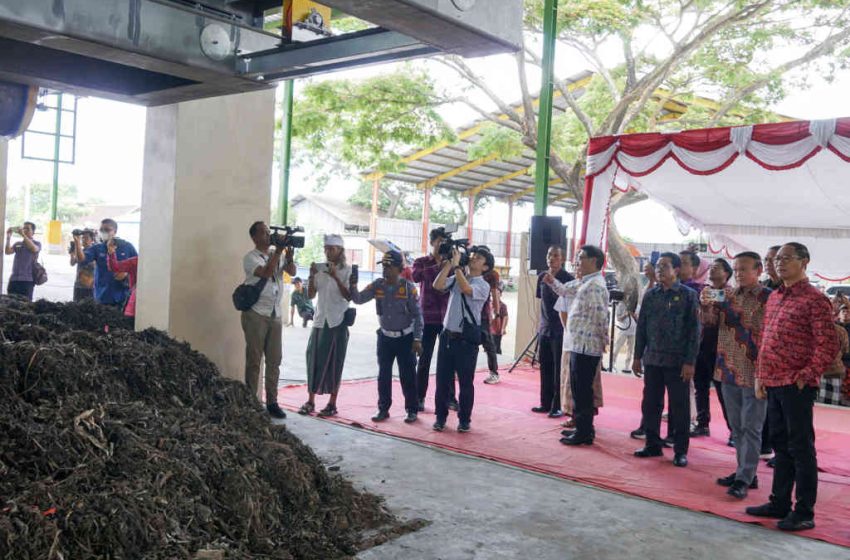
4,165
207,177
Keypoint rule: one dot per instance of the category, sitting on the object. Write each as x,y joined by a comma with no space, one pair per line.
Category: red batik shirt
798,337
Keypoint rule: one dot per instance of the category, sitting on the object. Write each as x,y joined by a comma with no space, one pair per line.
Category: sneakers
771,463
680,460
410,418
668,442
738,490
556,414
493,379
453,404
275,411
439,426
463,427
421,405
794,522
769,509
640,433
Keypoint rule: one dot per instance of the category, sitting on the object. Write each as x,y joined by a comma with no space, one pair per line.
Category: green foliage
70,207
313,251
447,207
345,126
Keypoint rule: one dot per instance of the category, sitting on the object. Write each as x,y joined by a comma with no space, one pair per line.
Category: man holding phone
109,288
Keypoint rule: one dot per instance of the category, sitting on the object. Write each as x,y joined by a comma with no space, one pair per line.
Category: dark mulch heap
122,445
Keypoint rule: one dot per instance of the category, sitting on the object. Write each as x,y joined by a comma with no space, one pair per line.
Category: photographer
262,324
433,304
84,282
109,288
330,282
26,251
461,334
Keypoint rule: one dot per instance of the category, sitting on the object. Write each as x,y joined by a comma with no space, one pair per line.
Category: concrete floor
479,509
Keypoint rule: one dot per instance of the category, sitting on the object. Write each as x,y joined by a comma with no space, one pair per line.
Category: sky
110,144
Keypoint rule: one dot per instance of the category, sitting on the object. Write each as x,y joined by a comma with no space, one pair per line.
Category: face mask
106,237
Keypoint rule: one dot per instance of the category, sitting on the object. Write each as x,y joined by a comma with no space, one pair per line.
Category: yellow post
54,237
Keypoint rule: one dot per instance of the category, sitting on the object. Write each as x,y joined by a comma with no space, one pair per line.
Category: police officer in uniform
400,335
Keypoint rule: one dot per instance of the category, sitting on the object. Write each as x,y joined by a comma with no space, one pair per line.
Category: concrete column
4,163
207,177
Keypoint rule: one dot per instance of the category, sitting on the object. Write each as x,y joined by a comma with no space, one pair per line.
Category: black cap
394,257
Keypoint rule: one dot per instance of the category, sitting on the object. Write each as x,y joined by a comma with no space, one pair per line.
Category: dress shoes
700,431
410,418
645,452
769,509
453,404
680,460
793,522
540,410
640,433
728,481
556,414
575,439
738,490
380,416
275,411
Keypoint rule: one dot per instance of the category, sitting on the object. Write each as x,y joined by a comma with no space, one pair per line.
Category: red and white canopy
748,187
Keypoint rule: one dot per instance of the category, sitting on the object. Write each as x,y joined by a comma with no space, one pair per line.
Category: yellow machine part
297,10
54,232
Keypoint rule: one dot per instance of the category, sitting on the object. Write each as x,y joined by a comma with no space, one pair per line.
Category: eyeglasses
786,259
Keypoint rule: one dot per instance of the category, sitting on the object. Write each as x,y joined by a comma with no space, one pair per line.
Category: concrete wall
4,163
207,177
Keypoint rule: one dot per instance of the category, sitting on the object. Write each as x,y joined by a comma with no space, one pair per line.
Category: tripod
528,352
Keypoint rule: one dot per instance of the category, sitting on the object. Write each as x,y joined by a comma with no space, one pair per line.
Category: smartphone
718,296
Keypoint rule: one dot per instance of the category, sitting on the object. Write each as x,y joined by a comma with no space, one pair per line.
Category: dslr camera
283,237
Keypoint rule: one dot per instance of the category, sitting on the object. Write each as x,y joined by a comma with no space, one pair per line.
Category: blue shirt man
107,289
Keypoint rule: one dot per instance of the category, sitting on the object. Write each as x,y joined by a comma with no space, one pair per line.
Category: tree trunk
395,201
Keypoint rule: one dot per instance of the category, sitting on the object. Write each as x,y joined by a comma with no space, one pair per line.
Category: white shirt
273,290
330,305
455,312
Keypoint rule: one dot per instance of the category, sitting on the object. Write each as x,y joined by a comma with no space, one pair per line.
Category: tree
400,200
70,207
745,55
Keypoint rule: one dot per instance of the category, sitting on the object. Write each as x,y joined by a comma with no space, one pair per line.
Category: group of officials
772,347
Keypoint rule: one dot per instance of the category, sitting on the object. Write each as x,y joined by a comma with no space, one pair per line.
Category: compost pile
123,445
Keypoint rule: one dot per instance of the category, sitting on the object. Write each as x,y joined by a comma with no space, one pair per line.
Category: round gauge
463,5
215,42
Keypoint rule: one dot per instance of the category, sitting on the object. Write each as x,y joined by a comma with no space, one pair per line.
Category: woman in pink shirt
128,267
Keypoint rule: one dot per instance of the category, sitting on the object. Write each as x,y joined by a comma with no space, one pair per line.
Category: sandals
306,408
328,411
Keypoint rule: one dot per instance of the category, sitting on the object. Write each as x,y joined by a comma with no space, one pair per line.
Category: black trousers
792,434
549,351
489,346
497,342
391,350
703,376
455,357
423,368
21,288
655,380
582,373
766,446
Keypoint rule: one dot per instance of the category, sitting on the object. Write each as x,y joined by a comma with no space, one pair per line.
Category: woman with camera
22,280
330,282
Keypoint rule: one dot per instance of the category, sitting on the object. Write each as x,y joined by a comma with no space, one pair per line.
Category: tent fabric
748,187
505,430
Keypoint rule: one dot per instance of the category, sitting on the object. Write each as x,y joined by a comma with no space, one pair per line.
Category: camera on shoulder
283,237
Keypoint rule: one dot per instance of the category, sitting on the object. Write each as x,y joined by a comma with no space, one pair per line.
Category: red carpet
504,429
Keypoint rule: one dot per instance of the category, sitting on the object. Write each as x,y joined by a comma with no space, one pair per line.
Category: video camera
80,232
616,295
287,238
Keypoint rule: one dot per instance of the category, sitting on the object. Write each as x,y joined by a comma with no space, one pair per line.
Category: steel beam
353,49
544,115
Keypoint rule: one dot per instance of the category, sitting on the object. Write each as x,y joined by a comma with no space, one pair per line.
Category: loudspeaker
545,232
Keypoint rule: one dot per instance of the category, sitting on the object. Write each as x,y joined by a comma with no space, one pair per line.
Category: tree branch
824,48
458,65
527,102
